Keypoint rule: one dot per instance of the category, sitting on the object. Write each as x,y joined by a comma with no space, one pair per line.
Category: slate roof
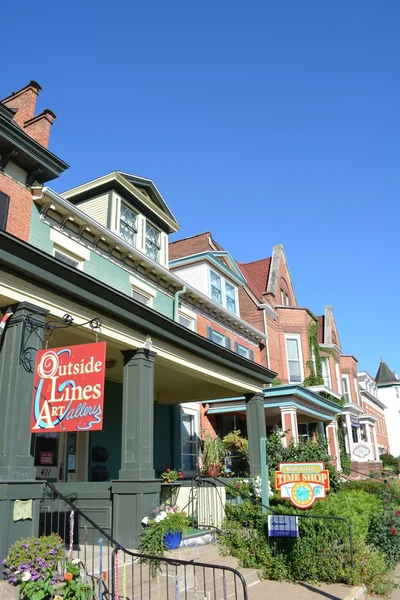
385,376
256,274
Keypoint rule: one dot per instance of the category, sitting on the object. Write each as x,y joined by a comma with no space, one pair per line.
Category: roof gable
149,190
256,274
221,260
385,376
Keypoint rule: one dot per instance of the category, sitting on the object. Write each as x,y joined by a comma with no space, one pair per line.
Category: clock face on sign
302,494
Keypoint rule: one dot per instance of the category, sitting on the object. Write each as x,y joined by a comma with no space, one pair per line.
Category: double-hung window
223,292
152,242
243,351
230,295
216,287
294,358
189,442
218,338
326,372
128,224
346,388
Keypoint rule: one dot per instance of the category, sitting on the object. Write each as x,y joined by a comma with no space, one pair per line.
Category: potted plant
171,475
212,454
163,530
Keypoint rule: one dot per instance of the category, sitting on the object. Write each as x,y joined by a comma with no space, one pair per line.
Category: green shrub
382,489
371,569
357,506
384,534
390,462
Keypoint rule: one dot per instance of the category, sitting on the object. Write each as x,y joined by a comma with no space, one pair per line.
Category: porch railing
116,573
215,510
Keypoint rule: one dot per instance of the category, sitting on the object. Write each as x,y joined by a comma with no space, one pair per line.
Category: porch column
368,433
289,424
136,491
321,430
256,430
19,344
349,434
375,442
21,341
137,460
333,441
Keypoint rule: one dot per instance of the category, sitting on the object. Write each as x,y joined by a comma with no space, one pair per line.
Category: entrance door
50,454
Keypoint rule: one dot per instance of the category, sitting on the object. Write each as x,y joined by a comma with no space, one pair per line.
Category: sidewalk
271,590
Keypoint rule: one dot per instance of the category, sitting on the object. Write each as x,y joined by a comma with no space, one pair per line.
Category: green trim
300,407
18,257
304,393
233,273
31,153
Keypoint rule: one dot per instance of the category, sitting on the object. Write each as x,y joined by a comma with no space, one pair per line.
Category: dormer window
230,294
216,294
152,242
223,292
128,225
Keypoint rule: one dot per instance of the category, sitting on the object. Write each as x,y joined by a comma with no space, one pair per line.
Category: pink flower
394,531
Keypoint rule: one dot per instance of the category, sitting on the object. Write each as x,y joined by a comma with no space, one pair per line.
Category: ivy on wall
314,366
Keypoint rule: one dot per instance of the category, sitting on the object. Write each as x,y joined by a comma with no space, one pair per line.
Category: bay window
294,358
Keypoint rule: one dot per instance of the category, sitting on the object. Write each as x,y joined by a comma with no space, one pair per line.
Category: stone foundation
363,470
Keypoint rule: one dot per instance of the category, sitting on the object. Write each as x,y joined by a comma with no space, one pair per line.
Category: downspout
176,302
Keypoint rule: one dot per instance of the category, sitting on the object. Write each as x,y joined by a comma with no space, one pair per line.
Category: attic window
127,225
152,242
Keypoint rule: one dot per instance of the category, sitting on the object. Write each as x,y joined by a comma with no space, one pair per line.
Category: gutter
155,266
176,302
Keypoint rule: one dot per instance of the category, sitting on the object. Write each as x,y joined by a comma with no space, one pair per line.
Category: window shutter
209,332
236,348
251,355
228,343
4,204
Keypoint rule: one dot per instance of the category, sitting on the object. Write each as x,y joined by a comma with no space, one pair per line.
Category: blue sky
263,122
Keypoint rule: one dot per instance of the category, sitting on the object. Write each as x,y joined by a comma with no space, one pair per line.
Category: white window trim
66,245
159,257
223,291
196,414
325,360
143,288
119,207
345,376
356,389
338,378
296,336
188,314
69,255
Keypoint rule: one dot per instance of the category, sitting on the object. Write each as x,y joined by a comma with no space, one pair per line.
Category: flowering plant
171,475
74,588
35,589
164,520
251,487
35,556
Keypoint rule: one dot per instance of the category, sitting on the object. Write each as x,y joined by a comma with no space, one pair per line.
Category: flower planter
172,540
235,501
213,471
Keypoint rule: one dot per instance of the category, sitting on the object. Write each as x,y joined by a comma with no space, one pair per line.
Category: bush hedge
322,550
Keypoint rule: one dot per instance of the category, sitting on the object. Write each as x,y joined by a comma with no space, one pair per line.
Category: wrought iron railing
116,573
136,576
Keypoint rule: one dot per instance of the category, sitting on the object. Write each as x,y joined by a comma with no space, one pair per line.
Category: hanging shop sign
283,526
69,389
302,483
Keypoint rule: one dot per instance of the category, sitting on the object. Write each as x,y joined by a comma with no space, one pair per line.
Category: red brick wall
292,320
259,351
20,208
348,366
283,283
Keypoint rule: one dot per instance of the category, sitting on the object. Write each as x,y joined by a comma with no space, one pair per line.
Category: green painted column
255,415
176,426
137,459
16,390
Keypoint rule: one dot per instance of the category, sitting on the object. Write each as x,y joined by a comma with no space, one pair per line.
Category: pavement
271,590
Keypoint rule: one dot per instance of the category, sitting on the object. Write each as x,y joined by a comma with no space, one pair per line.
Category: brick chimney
39,127
24,102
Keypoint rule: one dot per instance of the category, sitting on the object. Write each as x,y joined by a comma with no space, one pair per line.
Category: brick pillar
333,443
289,424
